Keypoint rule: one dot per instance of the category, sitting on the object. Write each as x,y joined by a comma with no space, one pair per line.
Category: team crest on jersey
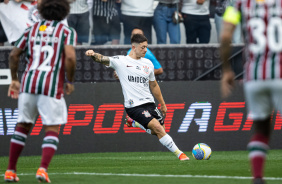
130,101
146,114
146,69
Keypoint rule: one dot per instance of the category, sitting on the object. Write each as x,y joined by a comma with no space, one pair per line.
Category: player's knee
26,126
52,128
263,126
156,127
153,132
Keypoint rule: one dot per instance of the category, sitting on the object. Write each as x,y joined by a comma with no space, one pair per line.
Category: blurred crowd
99,22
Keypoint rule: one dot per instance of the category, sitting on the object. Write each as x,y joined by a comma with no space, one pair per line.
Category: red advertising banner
196,113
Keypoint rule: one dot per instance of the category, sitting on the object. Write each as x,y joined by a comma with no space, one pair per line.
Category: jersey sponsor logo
115,57
128,66
146,114
137,79
138,68
43,29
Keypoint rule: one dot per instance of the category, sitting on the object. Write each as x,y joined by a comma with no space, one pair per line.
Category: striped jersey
44,44
262,26
105,8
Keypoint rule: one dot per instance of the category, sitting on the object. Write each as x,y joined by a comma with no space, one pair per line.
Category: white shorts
262,97
53,111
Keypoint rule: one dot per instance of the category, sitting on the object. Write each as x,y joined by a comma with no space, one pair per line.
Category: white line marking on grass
155,175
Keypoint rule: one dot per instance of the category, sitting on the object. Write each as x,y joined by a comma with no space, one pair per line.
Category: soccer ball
201,151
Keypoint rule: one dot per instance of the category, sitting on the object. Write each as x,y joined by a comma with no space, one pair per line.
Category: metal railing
219,65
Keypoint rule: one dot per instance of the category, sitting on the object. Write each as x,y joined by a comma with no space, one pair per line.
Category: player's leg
165,139
151,118
49,147
154,133
16,146
53,113
132,123
158,128
258,147
27,115
260,108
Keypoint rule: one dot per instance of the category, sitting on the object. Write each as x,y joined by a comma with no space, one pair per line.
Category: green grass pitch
224,167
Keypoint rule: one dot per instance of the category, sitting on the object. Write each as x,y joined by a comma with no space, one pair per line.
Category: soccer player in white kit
136,75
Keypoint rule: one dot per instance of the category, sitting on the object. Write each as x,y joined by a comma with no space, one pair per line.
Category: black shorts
143,114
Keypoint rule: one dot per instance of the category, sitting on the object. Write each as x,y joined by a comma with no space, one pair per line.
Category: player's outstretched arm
98,57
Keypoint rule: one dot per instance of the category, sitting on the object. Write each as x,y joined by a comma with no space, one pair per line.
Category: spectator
13,24
106,22
219,10
163,22
196,20
136,13
79,20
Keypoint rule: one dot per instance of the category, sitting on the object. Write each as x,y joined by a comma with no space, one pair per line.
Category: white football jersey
134,76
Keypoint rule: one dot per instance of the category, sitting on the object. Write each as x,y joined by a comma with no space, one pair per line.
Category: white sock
169,143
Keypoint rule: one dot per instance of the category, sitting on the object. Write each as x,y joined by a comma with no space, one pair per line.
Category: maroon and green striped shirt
262,25
44,44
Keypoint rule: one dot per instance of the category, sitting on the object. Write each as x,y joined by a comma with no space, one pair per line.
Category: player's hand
163,110
14,89
200,2
227,83
69,88
89,53
116,75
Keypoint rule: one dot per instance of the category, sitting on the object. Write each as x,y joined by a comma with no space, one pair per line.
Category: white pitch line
155,175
